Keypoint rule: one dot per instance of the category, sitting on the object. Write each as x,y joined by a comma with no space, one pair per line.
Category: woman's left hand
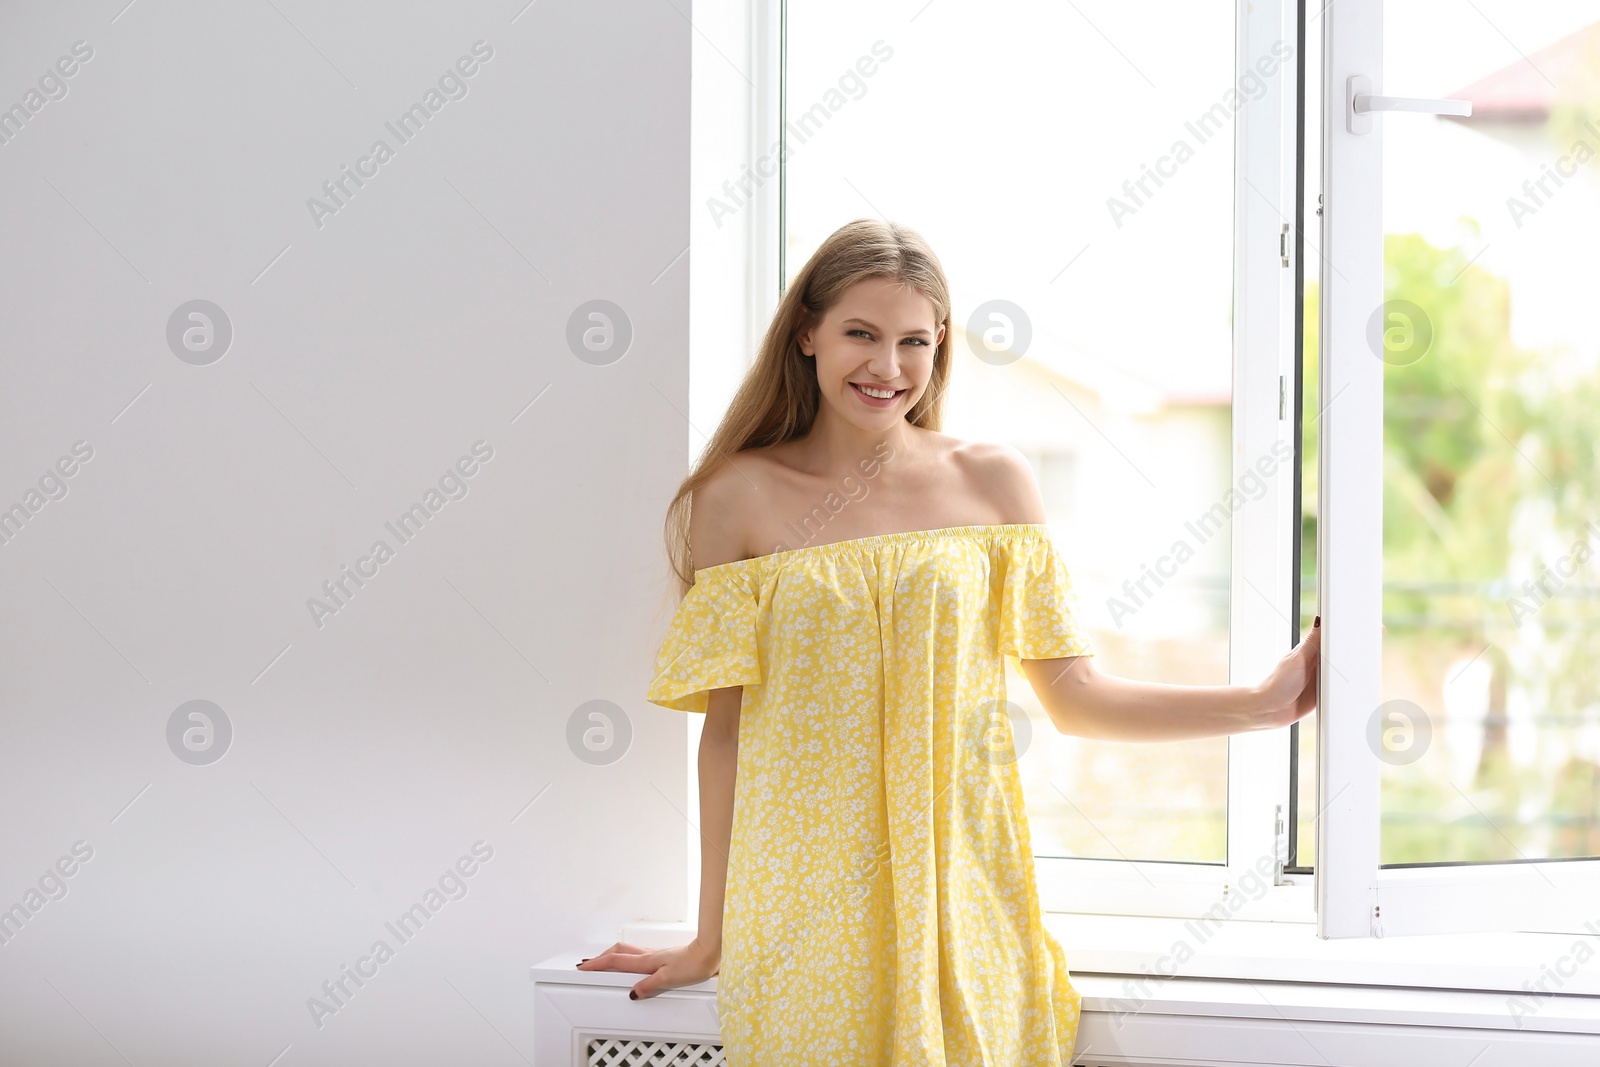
1289,693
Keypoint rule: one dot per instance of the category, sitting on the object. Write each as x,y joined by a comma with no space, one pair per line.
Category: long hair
779,397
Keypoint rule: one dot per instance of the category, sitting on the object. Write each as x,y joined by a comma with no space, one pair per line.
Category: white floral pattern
881,905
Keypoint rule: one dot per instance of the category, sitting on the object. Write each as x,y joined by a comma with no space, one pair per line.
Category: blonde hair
779,397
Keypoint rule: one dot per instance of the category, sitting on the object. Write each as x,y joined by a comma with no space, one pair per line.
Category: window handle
1360,104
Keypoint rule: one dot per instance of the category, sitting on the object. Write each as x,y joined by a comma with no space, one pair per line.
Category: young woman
856,578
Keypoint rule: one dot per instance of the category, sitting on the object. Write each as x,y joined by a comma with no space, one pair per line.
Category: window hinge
1283,396
1280,845
1283,245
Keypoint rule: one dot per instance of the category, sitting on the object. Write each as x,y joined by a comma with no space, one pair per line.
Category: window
1168,255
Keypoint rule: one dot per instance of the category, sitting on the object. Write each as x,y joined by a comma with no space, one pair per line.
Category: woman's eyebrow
870,326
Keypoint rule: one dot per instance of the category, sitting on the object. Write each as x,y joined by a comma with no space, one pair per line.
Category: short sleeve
1038,607
710,643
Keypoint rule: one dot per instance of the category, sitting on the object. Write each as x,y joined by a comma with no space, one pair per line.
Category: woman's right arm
698,960
719,757
717,521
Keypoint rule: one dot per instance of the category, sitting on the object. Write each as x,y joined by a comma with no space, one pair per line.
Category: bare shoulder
721,510
1002,476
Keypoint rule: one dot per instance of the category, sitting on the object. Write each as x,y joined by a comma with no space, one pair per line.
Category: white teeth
881,394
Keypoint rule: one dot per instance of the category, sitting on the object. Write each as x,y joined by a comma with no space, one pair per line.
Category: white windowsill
1134,946
1287,1002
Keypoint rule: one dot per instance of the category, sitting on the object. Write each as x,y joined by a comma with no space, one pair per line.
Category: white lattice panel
637,1052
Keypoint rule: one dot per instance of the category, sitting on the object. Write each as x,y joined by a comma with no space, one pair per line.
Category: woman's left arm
1082,701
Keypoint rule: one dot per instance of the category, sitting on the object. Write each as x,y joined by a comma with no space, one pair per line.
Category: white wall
368,354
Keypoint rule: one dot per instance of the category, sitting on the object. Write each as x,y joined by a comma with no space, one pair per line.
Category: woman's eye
864,333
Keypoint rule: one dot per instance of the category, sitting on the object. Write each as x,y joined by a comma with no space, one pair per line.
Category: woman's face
880,334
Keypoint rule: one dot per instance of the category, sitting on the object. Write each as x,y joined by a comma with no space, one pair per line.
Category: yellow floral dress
880,905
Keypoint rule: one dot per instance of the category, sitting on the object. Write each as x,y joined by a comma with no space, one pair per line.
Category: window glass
1490,723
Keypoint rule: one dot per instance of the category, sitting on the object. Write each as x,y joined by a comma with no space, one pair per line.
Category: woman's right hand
664,968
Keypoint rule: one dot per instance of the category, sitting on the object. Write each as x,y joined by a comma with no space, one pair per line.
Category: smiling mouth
881,399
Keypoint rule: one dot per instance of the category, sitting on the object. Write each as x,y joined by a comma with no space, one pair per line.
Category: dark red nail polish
632,995
1316,622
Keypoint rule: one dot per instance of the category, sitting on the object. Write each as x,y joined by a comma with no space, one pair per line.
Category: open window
1460,746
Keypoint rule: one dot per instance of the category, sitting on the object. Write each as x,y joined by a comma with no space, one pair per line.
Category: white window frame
1356,897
